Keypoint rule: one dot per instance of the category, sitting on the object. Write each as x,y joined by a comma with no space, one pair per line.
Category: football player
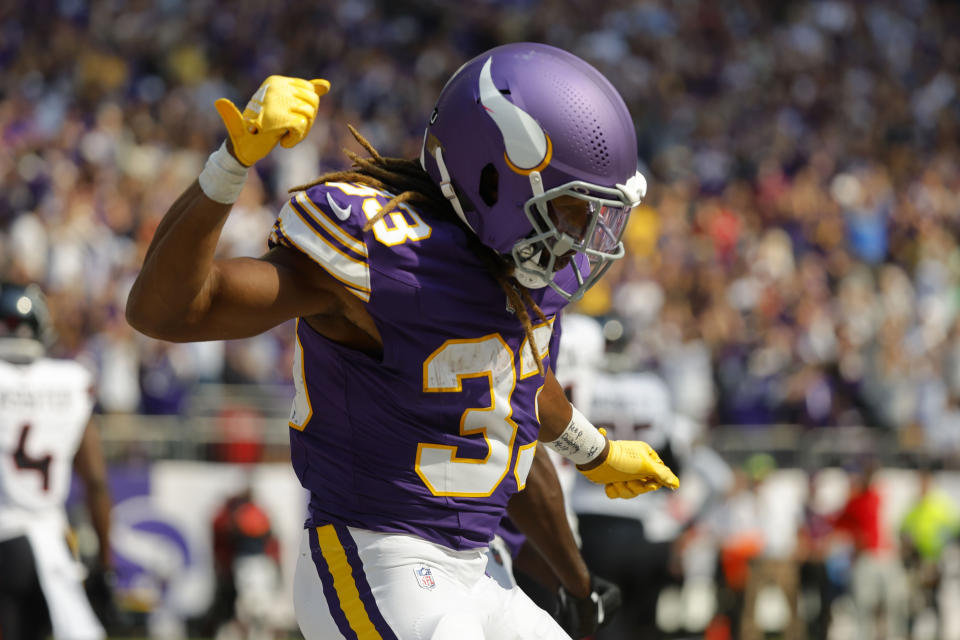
45,408
628,542
427,294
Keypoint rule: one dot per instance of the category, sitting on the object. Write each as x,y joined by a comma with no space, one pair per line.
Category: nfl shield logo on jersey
425,577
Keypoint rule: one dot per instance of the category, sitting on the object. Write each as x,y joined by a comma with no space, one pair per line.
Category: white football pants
358,584
61,579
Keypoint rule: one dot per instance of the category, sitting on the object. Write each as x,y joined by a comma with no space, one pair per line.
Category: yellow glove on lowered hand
632,467
282,110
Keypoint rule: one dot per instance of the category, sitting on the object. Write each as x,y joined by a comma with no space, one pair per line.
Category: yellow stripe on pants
344,584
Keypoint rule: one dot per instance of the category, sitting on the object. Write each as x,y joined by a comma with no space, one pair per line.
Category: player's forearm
555,413
99,504
177,278
539,513
91,466
530,562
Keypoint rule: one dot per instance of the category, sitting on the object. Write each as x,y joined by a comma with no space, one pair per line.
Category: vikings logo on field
425,577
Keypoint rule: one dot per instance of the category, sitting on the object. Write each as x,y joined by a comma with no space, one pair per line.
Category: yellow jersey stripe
300,382
360,294
358,246
525,455
344,584
353,273
290,211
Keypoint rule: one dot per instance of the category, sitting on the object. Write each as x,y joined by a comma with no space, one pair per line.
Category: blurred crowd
861,552
796,260
836,547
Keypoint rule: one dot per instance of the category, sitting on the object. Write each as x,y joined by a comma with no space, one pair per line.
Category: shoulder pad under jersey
326,223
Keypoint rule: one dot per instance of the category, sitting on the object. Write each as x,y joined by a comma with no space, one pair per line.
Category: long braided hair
407,179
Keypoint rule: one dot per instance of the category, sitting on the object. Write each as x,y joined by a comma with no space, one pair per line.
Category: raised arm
182,292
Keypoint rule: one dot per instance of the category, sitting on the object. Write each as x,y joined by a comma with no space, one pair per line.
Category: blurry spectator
929,526
240,435
942,429
775,564
246,560
866,202
164,379
756,536
734,527
879,585
117,360
817,586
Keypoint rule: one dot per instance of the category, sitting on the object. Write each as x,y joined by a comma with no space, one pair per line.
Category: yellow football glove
632,467
282,110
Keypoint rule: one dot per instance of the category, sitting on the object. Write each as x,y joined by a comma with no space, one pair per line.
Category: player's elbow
139,315
144,326
146,316
134,315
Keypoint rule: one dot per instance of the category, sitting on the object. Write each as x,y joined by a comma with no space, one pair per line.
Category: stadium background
793,275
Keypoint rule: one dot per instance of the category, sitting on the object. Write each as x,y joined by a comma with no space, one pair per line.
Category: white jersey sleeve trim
353,273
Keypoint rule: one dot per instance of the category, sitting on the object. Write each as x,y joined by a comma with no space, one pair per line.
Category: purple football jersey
434,438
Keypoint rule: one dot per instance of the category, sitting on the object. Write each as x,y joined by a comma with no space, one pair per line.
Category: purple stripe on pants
366,594
326,578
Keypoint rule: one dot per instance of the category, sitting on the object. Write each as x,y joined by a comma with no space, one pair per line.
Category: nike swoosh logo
340,212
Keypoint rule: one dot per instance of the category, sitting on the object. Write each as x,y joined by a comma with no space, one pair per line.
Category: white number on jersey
441,469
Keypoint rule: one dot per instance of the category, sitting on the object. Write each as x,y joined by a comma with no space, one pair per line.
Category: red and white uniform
44,409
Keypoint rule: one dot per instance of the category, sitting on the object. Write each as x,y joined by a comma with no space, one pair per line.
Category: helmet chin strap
446,187
527,272
536,185
529,278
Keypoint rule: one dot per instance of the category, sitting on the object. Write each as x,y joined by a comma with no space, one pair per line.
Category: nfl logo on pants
424,577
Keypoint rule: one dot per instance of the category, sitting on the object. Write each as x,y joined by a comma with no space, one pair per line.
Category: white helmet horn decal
527,146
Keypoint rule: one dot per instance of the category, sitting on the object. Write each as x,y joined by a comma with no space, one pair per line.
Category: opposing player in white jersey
578,358
625,541
45,407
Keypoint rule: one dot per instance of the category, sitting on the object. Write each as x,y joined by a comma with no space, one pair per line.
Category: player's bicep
250,295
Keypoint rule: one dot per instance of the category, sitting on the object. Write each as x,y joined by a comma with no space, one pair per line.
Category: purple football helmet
531,128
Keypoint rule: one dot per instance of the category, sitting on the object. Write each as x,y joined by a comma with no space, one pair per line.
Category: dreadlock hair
407,179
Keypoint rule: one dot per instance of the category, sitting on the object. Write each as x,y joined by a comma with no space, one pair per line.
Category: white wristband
580,442
223,176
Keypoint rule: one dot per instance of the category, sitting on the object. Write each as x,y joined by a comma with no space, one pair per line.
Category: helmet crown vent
585,133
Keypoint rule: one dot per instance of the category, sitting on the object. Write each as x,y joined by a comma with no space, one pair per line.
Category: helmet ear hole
489,184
